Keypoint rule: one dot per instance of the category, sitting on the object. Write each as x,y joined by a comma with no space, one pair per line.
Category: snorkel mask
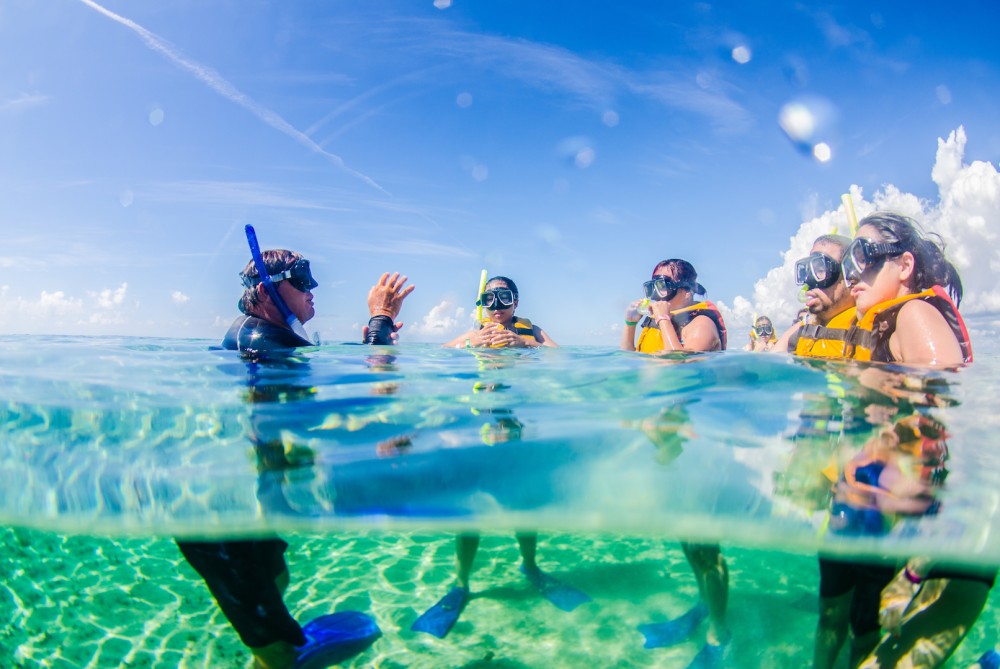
661,288
264,278
497,298
818,270
299,275
863,253
765,330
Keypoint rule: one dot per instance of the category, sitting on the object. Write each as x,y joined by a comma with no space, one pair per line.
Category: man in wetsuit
248,577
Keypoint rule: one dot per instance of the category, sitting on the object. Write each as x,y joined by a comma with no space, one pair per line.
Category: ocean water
368,461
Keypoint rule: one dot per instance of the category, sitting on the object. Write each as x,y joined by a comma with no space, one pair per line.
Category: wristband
911,577
468,343
380,329
631,323
662,318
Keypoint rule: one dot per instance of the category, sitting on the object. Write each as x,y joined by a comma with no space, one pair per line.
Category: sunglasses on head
863,254
299,275
817,271
497,298
662,288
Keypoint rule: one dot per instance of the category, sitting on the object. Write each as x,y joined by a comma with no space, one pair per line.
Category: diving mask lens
765,330
864,253
660,288
498,298
817,271
300,276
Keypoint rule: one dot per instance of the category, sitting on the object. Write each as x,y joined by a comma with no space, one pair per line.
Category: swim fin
989,660
439,619
711,655
333,638
565,597
673,632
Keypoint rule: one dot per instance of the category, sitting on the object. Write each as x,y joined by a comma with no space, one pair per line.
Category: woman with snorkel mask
762,335
669,318
501,328
907,295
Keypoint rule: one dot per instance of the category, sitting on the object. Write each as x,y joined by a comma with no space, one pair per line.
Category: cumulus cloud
108,298
444,320
966,216
179,298
60,312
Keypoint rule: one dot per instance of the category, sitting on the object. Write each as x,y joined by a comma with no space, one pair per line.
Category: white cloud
179,298
60,312
966,216
443,321
109,299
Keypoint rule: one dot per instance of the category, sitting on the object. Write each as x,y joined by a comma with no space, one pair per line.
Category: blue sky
569,146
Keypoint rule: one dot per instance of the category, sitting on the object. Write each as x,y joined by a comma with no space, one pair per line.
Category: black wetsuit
241,574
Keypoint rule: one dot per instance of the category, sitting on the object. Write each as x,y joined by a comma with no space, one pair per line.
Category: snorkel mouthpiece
272,290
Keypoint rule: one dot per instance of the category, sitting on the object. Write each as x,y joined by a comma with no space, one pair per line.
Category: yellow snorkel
479,305
852,218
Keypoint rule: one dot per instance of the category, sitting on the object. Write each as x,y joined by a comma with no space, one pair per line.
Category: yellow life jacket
651,339
824,341
868,339
523,327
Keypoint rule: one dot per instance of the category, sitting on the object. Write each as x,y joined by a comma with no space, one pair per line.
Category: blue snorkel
272,291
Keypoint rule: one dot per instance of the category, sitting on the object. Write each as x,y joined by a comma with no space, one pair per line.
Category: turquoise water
367,463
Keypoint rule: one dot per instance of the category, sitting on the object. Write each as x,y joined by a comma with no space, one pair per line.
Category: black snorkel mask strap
272,290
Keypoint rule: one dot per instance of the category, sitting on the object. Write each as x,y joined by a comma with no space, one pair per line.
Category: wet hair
762,319
840,241
930,267
276,261
510,284
682,272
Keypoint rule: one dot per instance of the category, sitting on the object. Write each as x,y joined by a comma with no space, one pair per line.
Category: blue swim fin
565,597
673,632
710,656
989,660
333,638
439,619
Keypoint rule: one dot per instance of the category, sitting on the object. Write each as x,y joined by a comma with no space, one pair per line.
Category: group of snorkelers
888,296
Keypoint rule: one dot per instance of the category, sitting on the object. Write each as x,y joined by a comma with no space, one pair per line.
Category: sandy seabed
76,602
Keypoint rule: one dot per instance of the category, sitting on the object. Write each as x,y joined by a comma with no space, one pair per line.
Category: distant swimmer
501,328
670,320
829,305
762,335
248,577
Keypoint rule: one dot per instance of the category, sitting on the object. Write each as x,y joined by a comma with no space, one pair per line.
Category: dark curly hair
930,266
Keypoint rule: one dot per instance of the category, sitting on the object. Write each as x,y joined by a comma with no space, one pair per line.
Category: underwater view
370,462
